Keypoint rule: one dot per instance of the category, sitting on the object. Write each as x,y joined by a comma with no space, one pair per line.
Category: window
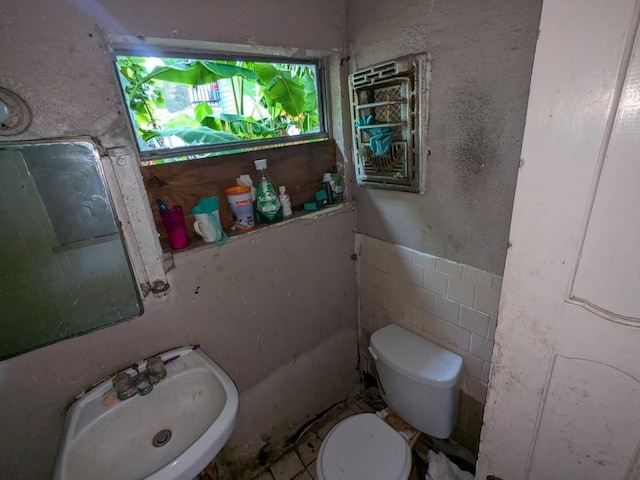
183,106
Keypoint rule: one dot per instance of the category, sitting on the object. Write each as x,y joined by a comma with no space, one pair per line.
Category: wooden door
564,393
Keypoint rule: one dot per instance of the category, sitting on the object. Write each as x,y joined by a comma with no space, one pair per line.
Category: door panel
563,399
591,416
610,239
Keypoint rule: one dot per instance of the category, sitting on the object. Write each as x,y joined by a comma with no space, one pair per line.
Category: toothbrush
162,207
175,357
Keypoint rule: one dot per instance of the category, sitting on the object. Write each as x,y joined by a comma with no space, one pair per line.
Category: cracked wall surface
482,55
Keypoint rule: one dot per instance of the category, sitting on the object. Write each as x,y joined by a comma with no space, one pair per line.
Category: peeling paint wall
289,344
276,309
482,54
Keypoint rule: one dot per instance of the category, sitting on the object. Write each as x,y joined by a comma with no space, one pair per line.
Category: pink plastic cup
173,221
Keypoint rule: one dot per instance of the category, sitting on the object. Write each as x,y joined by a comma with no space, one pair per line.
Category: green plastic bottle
268,206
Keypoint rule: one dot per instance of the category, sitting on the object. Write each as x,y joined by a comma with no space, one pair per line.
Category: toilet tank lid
416,357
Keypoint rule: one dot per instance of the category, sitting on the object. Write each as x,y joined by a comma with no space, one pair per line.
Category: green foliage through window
177,103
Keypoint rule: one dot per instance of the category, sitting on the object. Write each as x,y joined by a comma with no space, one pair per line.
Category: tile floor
300,462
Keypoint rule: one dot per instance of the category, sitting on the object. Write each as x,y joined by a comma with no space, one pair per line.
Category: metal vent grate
374,74
388,108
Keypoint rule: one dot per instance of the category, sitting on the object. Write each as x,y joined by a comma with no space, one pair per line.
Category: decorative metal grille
389,114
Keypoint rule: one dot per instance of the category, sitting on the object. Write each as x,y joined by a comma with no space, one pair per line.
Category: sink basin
195,405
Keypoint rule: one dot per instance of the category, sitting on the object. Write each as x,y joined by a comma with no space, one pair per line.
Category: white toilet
419,381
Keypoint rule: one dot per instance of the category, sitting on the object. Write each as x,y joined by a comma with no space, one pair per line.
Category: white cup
207,225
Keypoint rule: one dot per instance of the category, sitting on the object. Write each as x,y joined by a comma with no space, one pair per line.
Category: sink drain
161,438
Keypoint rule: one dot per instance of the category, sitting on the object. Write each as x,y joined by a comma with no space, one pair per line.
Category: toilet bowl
419,381
363,446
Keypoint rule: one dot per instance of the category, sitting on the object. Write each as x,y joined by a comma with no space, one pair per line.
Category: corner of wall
453,305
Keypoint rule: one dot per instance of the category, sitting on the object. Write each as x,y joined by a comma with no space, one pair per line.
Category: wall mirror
64,269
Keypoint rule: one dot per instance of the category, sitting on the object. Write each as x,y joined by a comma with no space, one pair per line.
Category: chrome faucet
142,383
123,385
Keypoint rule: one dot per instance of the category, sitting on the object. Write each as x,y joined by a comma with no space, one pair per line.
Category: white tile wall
453,305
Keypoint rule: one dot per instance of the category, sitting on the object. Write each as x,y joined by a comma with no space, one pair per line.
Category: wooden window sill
298,218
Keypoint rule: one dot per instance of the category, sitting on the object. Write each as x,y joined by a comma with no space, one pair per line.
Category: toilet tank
418,379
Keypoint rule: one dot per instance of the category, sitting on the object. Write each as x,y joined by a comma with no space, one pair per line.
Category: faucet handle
156,369
142,383
123,385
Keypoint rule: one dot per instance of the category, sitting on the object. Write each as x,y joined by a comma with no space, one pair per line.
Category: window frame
219,52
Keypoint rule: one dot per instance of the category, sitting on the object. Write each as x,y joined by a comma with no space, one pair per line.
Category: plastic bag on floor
441,468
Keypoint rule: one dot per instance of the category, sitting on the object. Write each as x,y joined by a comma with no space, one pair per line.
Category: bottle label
268,207
268,203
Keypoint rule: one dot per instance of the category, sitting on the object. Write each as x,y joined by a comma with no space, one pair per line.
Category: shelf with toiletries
300,168
298,217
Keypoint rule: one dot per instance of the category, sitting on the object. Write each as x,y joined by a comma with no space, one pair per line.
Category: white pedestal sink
195,405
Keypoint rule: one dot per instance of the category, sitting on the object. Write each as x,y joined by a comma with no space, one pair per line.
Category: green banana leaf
247,126
212,122
202,110
311,96
267,72
181,121
289,96
142,118
282,88
197,72
311,123
244,127
196,136
289,93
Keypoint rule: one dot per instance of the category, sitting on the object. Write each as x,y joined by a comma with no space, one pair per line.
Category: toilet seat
361,447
